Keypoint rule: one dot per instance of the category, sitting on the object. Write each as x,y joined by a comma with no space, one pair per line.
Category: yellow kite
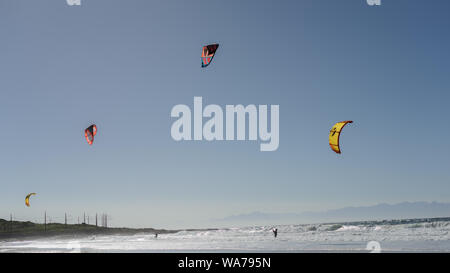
27,199
335,132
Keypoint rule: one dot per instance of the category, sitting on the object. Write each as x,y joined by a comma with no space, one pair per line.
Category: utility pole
78,219
96,220
88,219
45,221
65,219
10,222
84,218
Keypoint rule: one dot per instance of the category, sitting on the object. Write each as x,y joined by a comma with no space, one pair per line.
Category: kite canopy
27,199
89,133
335,132
208,53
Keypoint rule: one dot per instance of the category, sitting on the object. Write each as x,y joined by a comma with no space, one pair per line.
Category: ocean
420,235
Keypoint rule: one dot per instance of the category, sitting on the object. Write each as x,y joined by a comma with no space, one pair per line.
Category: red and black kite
208,53
89,133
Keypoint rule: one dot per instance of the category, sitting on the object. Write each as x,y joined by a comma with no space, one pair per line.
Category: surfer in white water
275,232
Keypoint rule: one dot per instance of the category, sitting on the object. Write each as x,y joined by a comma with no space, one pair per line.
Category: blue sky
123,65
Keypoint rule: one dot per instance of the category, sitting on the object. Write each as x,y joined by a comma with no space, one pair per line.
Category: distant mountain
405,210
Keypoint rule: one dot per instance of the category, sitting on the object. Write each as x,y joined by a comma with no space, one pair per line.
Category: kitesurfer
275,232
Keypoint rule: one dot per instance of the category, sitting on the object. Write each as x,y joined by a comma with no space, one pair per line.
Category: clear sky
123,65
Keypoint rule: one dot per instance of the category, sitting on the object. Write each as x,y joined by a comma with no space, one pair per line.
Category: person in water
275,232
156,235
